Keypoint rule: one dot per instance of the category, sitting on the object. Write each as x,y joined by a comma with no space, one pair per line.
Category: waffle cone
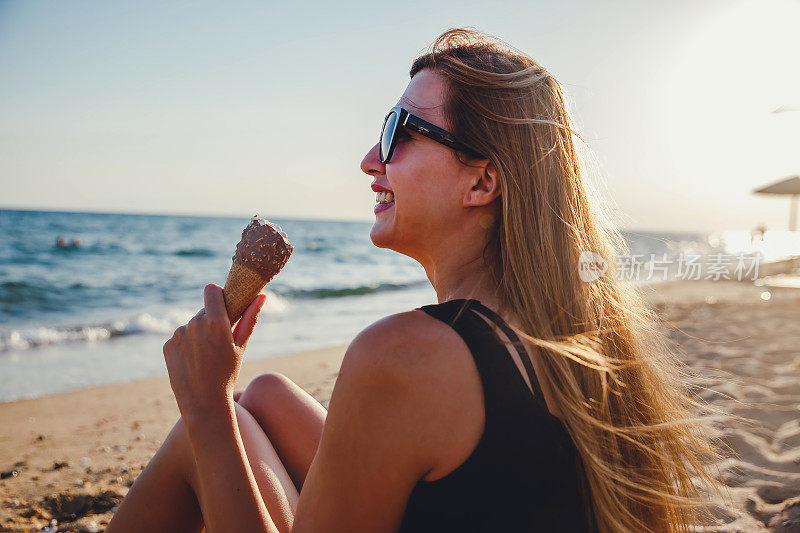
241,288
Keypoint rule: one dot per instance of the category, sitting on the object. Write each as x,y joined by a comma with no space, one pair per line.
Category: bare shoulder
418,352
408,342
428,371
390,422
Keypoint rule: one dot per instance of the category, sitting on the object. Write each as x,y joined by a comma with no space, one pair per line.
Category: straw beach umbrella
790,186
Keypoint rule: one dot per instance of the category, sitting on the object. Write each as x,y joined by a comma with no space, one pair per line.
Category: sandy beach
77,453
68,459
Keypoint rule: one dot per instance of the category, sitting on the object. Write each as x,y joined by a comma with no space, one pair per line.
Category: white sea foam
143,323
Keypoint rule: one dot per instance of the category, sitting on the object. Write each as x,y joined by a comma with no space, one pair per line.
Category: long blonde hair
623,396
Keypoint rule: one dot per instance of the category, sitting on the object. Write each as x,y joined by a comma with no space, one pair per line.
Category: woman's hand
204,357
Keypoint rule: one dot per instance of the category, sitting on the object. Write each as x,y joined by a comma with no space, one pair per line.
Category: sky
236,108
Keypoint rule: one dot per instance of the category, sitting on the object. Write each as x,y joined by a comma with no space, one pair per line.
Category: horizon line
294,218
170,214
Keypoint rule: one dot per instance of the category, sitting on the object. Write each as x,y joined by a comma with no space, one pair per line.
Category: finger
199,316
246,324
215,304
179,332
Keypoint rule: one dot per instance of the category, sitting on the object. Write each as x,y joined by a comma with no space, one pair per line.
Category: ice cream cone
260,255
241,288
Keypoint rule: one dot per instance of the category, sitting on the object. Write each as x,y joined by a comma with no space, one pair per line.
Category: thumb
246,324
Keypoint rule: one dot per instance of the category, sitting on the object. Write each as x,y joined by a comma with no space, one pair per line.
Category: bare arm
380,435
203,360
231,498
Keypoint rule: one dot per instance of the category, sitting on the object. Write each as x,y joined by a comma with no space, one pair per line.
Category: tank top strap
495,365
449,312
518,346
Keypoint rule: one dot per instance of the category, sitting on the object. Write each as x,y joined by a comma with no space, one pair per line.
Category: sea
99,312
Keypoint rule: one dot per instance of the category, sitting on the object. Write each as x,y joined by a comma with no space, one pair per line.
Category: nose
371,165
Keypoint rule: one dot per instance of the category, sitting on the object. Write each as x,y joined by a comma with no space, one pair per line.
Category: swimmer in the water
61,242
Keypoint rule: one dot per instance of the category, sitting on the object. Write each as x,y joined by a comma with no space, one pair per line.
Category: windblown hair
625,399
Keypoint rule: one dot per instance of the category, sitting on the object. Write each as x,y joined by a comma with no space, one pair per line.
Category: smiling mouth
384,197
384,202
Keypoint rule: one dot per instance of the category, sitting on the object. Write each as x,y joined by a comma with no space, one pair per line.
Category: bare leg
164,498
291,417
161,498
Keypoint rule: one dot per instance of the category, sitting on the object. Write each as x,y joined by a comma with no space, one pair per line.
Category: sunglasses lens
387,134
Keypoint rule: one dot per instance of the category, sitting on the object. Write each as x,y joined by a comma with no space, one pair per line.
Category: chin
380,235
384,232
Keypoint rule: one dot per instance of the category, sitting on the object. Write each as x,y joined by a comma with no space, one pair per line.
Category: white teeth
384,197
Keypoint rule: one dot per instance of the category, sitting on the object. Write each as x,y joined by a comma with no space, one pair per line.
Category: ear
484,187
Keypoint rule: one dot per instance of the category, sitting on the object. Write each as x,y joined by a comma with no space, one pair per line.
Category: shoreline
655,293
148,381
77,452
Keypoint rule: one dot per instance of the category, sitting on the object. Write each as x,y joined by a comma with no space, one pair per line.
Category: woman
434,423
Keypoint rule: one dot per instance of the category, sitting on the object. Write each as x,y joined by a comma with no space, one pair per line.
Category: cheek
417,197
421,181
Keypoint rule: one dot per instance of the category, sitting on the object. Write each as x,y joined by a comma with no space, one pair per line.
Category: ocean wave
195,252
337,292
142,323
96,248
111,248
14,292
182,252
317,246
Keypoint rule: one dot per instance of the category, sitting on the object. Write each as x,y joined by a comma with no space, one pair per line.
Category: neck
461,275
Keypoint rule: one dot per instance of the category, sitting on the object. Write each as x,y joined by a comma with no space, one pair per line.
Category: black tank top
523,473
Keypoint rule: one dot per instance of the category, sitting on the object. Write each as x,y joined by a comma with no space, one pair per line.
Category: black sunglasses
401,118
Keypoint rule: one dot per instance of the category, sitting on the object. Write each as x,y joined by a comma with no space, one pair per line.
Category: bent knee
269,387
271,381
